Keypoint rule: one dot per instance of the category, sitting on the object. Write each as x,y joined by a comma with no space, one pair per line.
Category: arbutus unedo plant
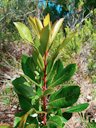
45,98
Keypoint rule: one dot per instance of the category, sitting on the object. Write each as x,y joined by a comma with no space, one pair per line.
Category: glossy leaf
32,22
22,87
56,28
65,97
64,75
55,122
44,39
77,108
46,20
29,64
28,67
38,59
60,47
39,24
24,31
16,121
55,72
31,97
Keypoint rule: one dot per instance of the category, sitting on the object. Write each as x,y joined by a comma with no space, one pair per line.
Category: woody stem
44,99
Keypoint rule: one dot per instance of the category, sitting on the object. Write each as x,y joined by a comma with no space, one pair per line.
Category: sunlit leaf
46,20
77,108
37,89
60,47
55,29
39,24
32,22
16,121
24,31
44,39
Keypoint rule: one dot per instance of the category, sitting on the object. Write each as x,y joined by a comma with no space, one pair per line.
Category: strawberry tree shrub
45,97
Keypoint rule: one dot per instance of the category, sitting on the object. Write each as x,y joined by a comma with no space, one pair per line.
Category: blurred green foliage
92,59
74,46
14,10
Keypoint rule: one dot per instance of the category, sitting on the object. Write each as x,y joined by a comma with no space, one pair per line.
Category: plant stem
44,119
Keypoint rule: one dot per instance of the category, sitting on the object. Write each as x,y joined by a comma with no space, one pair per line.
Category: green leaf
5,126
46,20
61,46
59,112
44,39
33,120
55,72
38,59
22,87
65,97
31,126
24,31
25,103
48,91
32,21
56,28
25,117
67,115
55,122
16,121
28,67
39,24
77,108
63,76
